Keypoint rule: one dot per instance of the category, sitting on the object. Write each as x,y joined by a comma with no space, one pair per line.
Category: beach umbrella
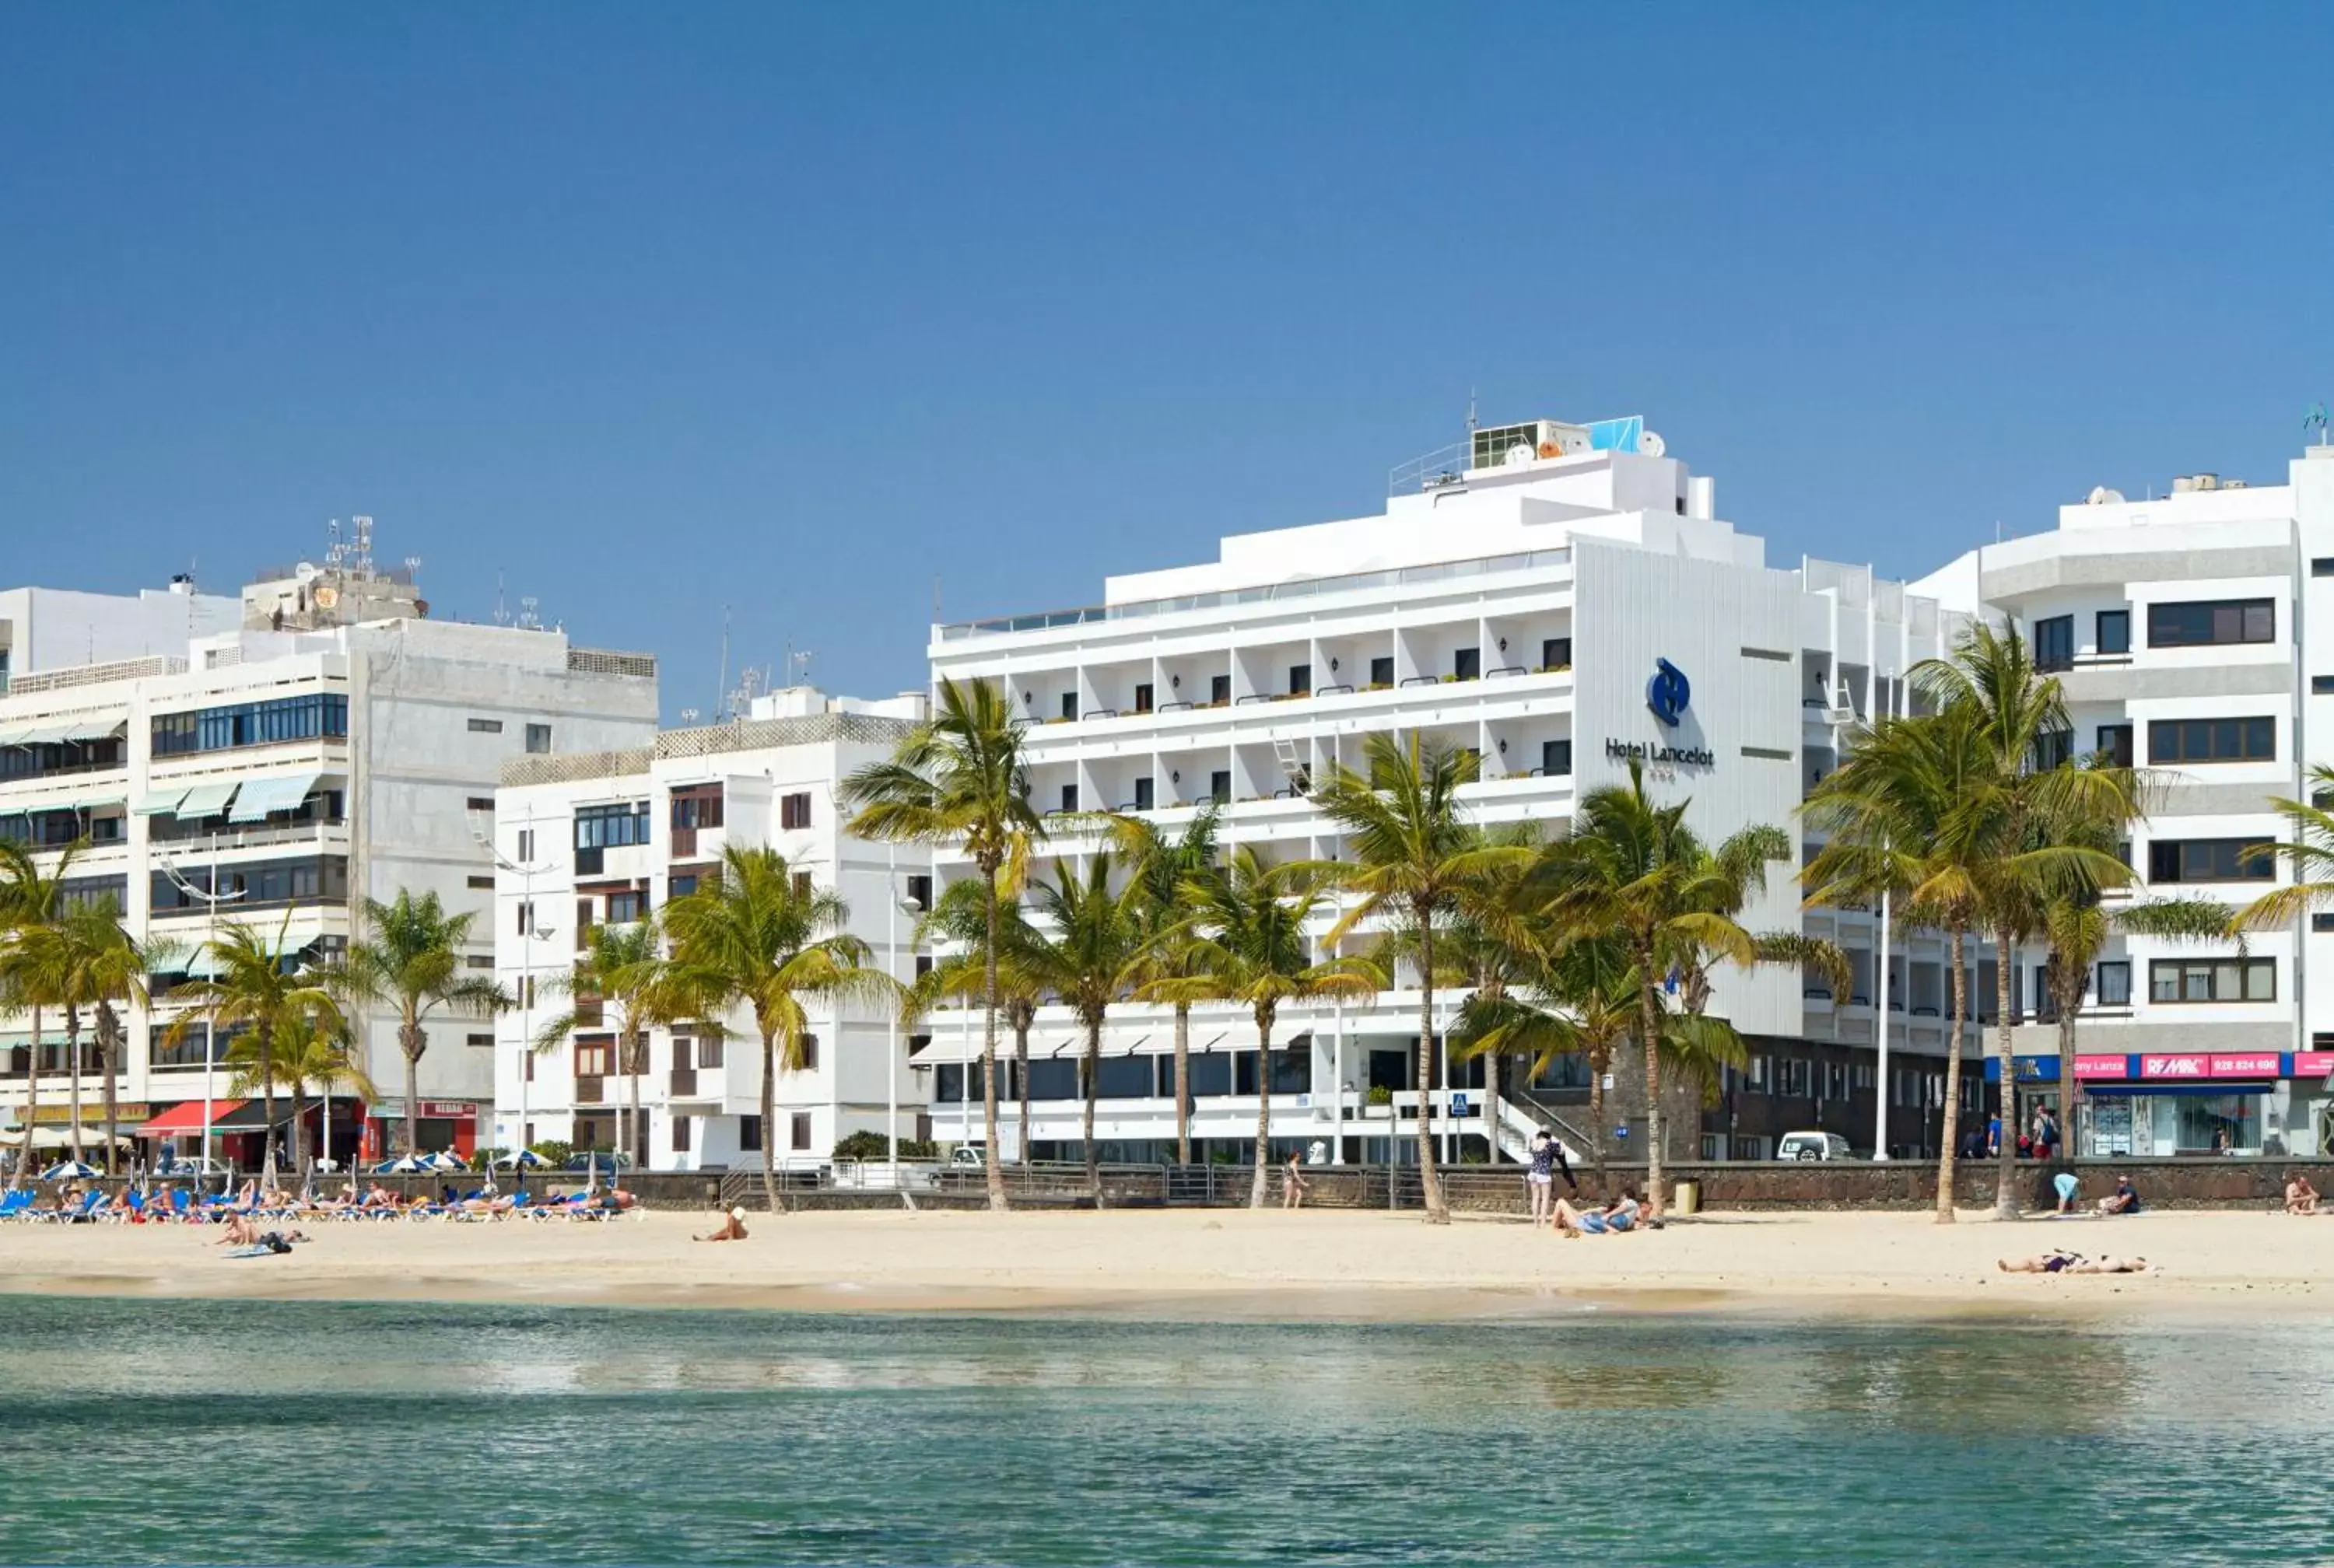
71,1170
409,1165
445,1160
528,1160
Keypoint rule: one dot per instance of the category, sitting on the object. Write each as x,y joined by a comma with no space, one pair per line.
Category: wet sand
1220,1264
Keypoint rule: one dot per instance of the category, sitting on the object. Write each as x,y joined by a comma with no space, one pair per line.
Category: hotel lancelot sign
1666,695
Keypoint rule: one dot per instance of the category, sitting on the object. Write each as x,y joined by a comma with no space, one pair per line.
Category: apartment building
51,627
2185,631
606,839
315,743
1558,599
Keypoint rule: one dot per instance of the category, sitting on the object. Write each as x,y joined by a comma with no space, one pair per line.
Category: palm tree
959,777
1093,950
1909,813
961,918
1256,952
105,965
31,973
412,964
1165,867
1582,1000
1415,854
253,988
2308,851
751,935
2046,820
623,967
316,1047
1634,870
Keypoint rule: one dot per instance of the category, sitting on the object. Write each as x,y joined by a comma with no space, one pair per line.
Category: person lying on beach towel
2056,1260
1570,1222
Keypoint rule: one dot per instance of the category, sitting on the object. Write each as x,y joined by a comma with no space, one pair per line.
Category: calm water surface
214,1432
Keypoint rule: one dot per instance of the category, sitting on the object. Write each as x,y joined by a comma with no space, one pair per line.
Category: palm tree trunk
267,1094
1263,1110
299,1130
2005,1174
109,1046
638,1146
1430,1185
1649,1028
2069,1084
993,1165
1597,1071
770,1121
412,1042
1182,1083
1022,1019
1093,1093
31,1095
72,1062
1951,1127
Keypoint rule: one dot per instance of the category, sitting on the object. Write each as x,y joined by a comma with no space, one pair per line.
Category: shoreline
1237,1265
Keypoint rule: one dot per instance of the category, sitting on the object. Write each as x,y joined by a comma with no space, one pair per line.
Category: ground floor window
749,1134
801,1139
680,1135
2160,1125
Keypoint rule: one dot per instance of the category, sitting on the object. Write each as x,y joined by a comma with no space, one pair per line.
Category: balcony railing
1350,583
683,1083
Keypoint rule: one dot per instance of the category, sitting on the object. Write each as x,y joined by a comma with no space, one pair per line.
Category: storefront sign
442,1109
2102,1067
2312,1063
2256,1066
2175,1067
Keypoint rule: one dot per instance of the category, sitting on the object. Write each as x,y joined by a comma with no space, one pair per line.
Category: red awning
188,1117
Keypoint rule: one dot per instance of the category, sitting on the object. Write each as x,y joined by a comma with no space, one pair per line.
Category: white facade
50,628
298,771
771,781
1518,610
2197,630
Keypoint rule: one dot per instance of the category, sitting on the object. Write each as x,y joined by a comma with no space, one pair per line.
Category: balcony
682,1084
590,1091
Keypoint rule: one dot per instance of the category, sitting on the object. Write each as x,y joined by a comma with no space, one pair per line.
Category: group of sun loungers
376,1204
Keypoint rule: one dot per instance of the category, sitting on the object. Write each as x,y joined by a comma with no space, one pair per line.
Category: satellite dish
2101,496
327,596
1517,456
1651,445
305,572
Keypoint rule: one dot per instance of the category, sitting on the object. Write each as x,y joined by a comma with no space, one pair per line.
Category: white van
1812,1146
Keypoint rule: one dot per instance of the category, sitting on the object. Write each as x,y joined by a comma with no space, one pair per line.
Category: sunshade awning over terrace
282,793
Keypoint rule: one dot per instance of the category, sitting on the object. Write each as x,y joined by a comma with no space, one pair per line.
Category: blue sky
658,309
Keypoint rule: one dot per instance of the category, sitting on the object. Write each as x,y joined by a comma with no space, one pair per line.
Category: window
1556,653
538,738
2321,921
2054,643
486,727
1467,663
255,884
1143,696
487,883
1835,1079
2115,744
924,965
697,809
2212,980
681,885
2211,622
526,919
2114,631
1792,1077
809,1054
1866,1077
2053,748
800,1141
1069,797
611,827
594,1058
802,884
2201,740
479,960
793,810
1382,671
920,889
1556,758
2321,685
1145,795
527,843
1069,704
2115,983
1758,1073
625,909
708,1051
483,1041
481,802
320,716
749,1134
2210,861
1300,680
583,921
1219,786
680,1135
1219,689
2321,566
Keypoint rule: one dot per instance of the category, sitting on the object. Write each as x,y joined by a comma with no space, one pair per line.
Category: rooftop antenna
721,686
502,610
363,563
2316,417
335,551
528,621
1470,412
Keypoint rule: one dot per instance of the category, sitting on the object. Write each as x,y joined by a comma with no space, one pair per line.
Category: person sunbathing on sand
2300,1197
2074,1263
239,1230
733,1228
1570,1222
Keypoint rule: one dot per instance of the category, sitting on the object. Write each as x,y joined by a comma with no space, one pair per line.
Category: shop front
450,1125
2203,1103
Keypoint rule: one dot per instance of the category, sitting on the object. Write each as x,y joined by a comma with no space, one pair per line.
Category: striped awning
162,803
282,793
207,799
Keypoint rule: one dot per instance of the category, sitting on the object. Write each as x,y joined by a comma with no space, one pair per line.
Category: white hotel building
584,841
1515,598
2186,630
316,743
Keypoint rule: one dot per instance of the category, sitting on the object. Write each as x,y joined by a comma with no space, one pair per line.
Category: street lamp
211,900
900,904
535,932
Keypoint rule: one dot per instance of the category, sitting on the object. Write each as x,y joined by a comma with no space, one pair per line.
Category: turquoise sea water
265,1432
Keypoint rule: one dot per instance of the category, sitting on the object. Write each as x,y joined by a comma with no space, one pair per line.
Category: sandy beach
1183,1263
